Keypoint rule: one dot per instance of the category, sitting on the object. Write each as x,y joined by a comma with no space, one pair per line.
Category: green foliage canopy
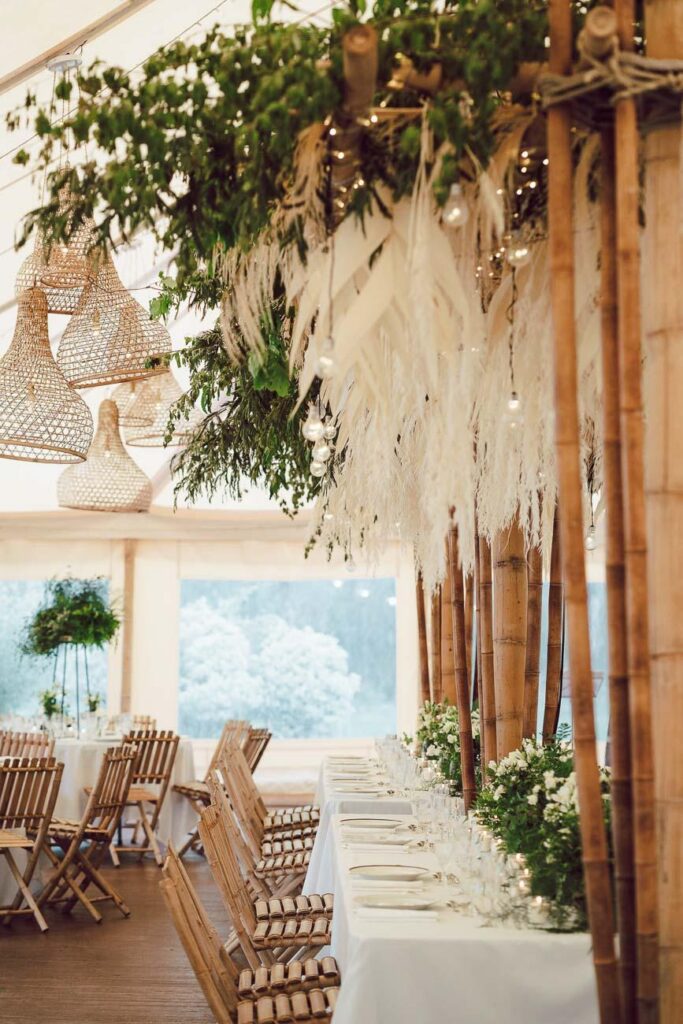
74,612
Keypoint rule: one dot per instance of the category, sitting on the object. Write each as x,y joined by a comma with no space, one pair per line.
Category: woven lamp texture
61,270
155,397
110,338
41,418
131,412
109,480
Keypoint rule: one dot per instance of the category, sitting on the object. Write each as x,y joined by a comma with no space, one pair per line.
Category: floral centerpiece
531,805
438,735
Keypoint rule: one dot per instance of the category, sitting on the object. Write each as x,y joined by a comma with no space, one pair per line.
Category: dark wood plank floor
123,971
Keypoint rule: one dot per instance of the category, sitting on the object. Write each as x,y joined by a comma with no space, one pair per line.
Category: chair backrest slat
108,797
156,756
255,746
28,791
234,731
26,744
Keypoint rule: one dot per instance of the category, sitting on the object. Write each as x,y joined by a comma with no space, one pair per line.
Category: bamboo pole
635,535
620,742
553,673
422,638
663,311
128,617
447,654
469,615
509,635
487,709
561,245
360,61
461,681
534,562
476,686
435,624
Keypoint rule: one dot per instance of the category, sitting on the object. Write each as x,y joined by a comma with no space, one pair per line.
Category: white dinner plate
397,901
389,872
371,823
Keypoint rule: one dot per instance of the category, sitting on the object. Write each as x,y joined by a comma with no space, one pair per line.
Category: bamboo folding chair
28,791
197,792
287,873
26,744
85,843
145,723
304,818
156,754
254,747
268,930
302,991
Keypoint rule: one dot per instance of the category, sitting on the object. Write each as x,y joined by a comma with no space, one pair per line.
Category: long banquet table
445,966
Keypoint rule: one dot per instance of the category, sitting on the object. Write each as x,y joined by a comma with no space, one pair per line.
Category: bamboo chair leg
93,874
189,844
113,853
25,891
151,838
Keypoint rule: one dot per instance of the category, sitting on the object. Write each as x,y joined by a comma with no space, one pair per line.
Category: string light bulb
591,539
518,254
456,212
321,451
312,428
326,367
318,469
329,431
514,413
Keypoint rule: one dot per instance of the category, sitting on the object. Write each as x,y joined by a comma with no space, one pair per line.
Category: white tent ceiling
31,28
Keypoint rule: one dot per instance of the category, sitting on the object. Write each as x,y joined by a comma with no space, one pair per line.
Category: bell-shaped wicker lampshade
155,397
108,480
62,271
41,418
110,337
131,411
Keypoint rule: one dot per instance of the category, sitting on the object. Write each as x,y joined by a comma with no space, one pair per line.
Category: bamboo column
635,536
620,759
461,680
487,694
469,618
509,635
534,563
422,638
553,672
447,655
128,618
435,623
663,315
561,245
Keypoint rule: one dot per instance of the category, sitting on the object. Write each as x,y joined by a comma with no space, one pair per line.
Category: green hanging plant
74,612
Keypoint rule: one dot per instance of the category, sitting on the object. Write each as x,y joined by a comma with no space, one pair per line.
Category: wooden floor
123,971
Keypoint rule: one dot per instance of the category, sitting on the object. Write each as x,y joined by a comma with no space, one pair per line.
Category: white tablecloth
450,969
331,801
81,759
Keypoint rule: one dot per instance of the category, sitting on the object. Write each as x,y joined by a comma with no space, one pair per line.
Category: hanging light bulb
591,540
518,253
321,451
318,468
514,414
328,516
350,564
330,431
326,367
455,212
312,428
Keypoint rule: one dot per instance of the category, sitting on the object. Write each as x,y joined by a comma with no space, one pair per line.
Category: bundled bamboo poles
469,621
561,243
423,647
435,623
487,695
533,640
509,635
553,672
461,680
622,814
635,535
447,655
663,314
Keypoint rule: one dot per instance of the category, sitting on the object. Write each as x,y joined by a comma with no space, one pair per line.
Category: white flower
532,799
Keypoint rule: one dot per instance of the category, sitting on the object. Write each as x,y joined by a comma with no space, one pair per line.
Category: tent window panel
24,678
308,659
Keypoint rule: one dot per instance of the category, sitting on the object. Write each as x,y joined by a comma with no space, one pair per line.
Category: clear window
307,659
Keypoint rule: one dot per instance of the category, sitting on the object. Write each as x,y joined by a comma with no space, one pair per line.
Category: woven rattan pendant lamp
110,338
63,270
41,418
155,397
108,480
132,413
